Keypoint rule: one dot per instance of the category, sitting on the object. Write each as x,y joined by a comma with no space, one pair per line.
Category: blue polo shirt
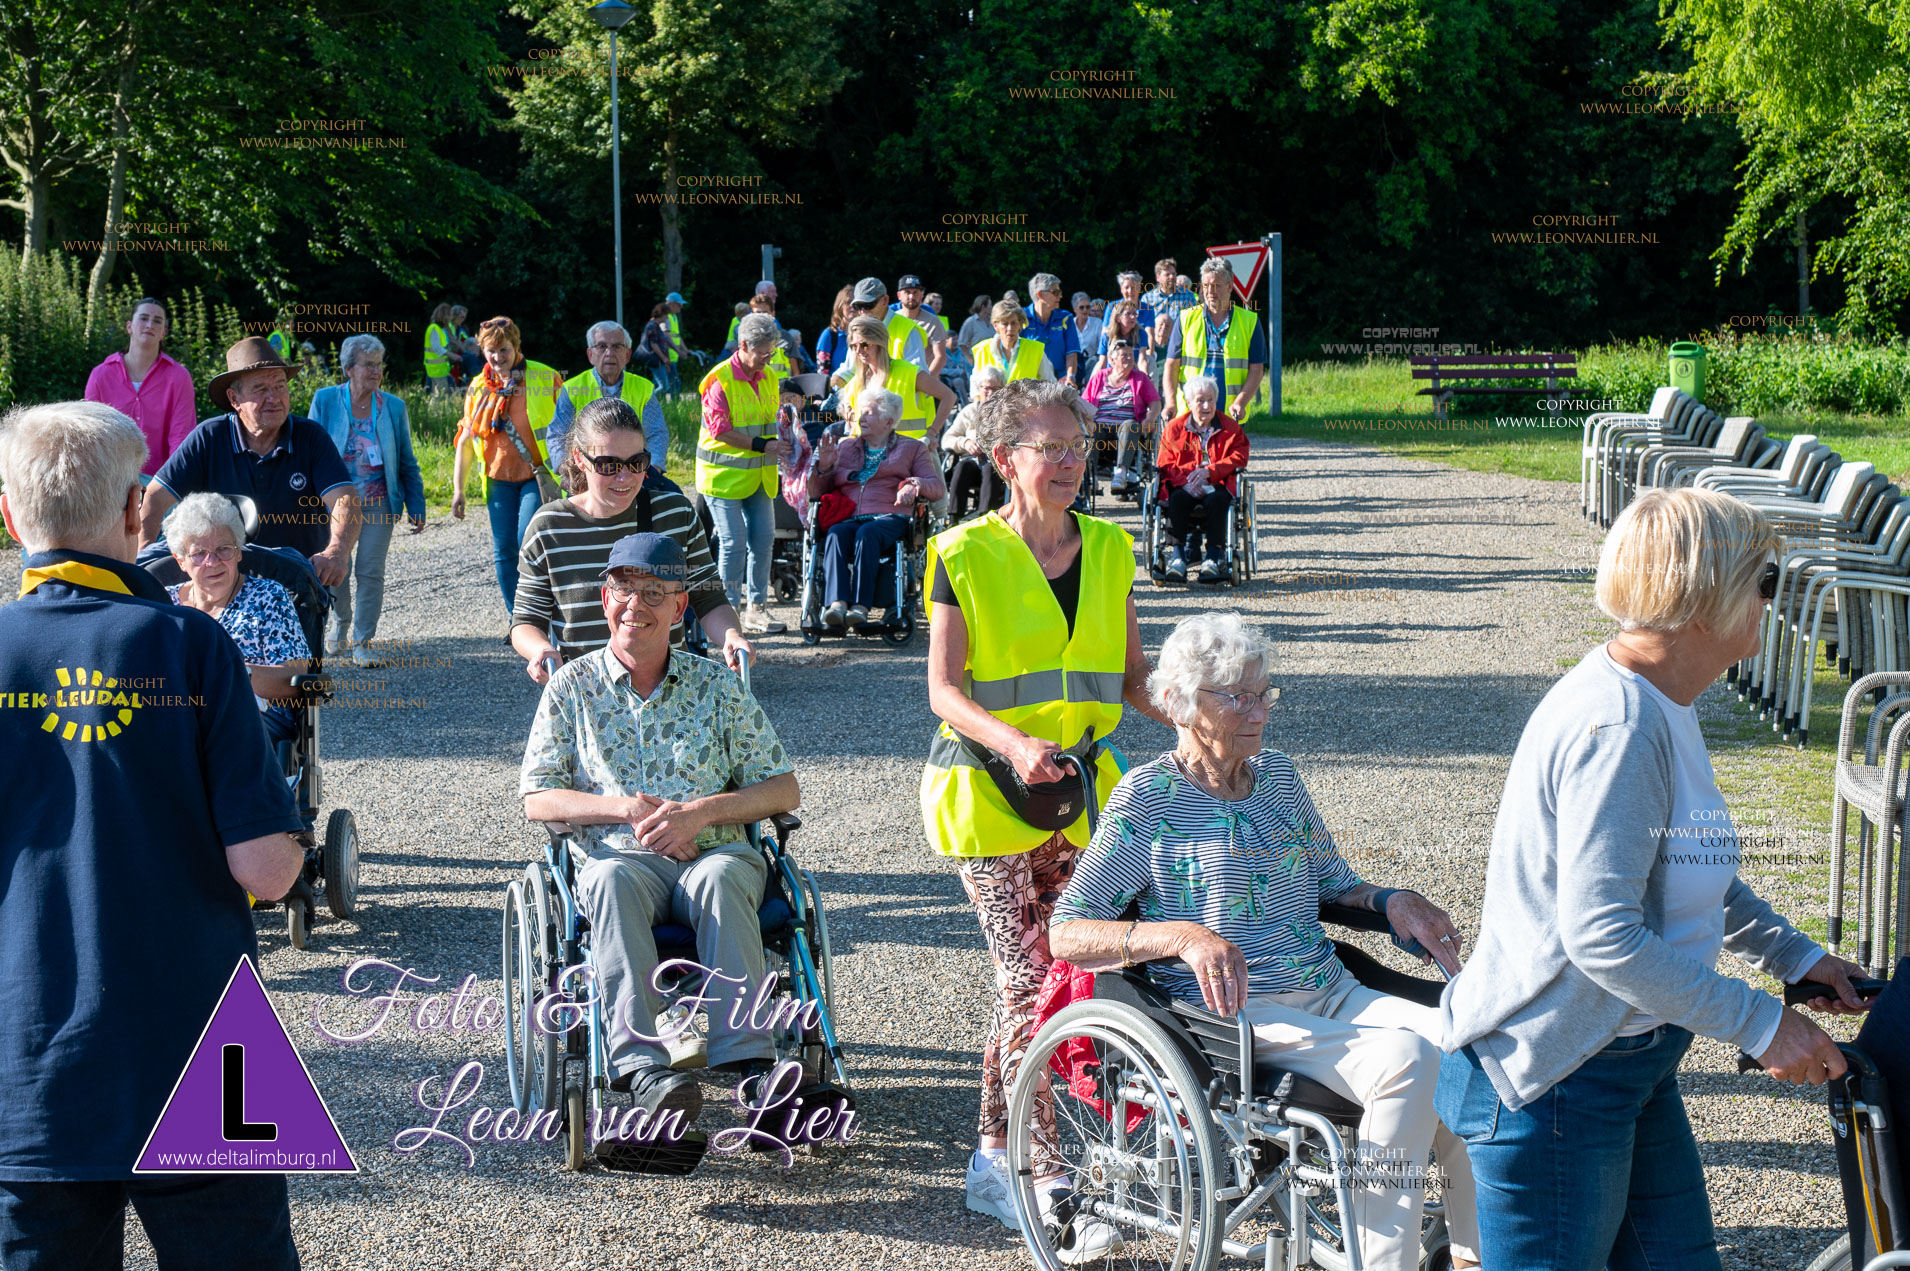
134,757
288,485
1056,336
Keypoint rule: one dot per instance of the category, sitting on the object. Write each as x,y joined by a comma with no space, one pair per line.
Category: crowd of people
1548,1073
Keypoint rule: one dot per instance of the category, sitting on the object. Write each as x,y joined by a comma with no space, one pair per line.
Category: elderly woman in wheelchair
1218,849
885,475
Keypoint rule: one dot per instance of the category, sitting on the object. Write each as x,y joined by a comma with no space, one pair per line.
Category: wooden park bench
1443,369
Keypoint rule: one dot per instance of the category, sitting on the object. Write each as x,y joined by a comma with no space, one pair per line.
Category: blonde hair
869,329
1007,311
1678,557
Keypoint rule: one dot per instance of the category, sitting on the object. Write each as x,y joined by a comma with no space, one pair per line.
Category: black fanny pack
1045,805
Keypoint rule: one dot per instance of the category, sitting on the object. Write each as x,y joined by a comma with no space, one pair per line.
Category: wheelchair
333,861
558,1061
1242,531
1140,461
899,588
1179,1130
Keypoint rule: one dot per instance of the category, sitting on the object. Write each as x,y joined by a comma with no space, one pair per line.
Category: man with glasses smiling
660,758
607,345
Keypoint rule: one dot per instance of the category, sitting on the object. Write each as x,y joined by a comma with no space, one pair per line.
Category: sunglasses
610,465
490,324
1767,582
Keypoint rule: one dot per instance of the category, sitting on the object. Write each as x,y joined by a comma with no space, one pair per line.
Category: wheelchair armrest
1356,919
558,831
786,823
315,685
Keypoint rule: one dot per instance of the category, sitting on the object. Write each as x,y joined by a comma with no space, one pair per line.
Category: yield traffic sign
1249,261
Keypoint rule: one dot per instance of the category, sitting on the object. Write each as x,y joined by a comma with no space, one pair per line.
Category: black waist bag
1046,805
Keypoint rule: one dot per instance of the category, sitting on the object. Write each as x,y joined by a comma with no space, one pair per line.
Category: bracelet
758,443
1127,959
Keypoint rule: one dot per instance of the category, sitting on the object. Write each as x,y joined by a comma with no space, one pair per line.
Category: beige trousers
1381,1052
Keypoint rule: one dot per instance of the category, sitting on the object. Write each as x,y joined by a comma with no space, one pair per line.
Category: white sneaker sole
1003,1213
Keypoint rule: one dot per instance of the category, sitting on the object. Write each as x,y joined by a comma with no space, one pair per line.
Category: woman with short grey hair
1221,847
1611,889
736,465
206,536
372,431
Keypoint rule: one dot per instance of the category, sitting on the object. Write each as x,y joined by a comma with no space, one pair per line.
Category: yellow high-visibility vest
901,327
1028,355
724,471
437,365
633,389
676,331
1193,347
1027,670
541,386
901,379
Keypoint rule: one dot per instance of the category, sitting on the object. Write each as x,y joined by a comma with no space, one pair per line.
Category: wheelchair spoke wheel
542,1072
824,961
516,960
1326,1227
1141,1164
338,860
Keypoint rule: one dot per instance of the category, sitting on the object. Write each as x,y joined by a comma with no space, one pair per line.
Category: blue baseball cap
675,298
657,555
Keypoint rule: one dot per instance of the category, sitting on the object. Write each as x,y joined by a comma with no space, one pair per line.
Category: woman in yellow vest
439,336
507,410
870,365
1018,359
1033,648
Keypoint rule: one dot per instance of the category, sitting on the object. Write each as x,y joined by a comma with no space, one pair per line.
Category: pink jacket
163,406
906,458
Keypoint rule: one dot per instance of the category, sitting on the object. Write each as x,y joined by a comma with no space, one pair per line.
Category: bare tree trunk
115,188
672,234
39,192
1801,240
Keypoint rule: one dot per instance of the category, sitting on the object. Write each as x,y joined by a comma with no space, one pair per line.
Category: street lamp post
611,15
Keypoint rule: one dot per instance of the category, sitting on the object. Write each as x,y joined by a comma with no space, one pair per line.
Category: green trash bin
1687,368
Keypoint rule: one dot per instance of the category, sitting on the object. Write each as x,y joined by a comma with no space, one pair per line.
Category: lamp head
612,14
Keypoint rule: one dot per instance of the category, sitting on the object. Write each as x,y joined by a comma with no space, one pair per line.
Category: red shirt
1224,454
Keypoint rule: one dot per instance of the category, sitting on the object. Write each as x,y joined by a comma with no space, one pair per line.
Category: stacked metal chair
1876,791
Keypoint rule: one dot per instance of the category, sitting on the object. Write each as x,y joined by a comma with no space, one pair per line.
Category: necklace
1046,558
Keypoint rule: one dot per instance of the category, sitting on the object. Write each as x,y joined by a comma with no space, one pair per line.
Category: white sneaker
988,1191
1086,1239
835,614
683,1038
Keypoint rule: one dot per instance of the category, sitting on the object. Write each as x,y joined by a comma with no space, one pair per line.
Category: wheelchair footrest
661,1157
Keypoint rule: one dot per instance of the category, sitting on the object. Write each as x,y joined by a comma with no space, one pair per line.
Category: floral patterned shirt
698,734
262,621
1253,871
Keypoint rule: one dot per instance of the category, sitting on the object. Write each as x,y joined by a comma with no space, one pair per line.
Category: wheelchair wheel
516,958
542,1070
1327,1235
298,922
1154,1183
824,961
1835,1258
577,1132
339,861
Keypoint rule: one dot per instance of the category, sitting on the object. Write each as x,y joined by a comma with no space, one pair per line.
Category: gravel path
1420,612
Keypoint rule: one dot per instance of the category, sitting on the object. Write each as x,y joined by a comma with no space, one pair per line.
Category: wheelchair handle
1810,991
1087,784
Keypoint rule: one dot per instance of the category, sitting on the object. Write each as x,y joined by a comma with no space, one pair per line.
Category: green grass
1377,397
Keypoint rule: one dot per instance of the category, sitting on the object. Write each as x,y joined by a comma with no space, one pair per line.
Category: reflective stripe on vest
724,471
1193,346
901,379
437,365
1028,355
1028,670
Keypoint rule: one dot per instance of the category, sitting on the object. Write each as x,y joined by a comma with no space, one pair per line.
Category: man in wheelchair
1222,848
659,760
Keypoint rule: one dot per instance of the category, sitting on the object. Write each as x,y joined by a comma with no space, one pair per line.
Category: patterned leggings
1014,896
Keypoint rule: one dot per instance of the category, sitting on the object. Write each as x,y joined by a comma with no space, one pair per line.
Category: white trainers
1086,1239
683,1038
988,1191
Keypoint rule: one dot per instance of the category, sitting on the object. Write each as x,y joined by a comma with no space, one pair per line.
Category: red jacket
1224,456
1072,1062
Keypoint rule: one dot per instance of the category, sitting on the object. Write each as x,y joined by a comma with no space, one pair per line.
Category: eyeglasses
1057,451
608,465
1767,582
1243,703
601,347
651,594
224,555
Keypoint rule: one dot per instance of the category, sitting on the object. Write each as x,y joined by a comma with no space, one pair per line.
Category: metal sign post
1273,316
770,255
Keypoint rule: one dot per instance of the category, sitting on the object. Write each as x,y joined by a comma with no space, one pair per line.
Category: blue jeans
745,528
1600,1171
511,504
197,1222
365,576
852,554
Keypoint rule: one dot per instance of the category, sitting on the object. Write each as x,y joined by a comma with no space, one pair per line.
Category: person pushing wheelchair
660,759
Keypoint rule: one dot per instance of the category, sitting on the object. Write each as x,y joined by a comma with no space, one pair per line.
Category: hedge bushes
1762,374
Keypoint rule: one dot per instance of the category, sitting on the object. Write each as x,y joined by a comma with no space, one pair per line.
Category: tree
1822,95
59,62
702,84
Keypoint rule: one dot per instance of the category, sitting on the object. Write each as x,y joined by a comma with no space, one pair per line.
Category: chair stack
1844,555
1875,790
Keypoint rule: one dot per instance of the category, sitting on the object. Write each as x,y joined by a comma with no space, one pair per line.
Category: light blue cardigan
331,407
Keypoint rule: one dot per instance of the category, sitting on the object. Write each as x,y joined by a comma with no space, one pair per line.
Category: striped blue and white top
1253,871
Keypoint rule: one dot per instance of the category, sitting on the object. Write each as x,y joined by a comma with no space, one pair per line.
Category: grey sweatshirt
1574,908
